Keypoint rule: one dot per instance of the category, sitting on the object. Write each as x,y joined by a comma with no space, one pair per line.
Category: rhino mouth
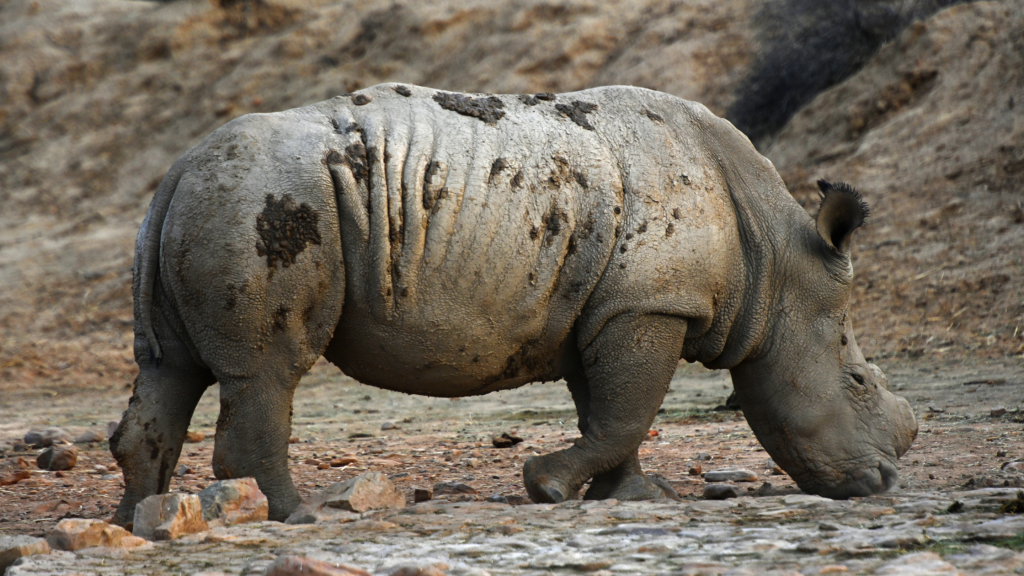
861,482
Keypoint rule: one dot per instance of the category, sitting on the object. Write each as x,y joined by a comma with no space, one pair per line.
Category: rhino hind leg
625,375
147,442
253,430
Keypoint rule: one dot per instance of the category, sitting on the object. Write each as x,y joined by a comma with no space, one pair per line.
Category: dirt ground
960,442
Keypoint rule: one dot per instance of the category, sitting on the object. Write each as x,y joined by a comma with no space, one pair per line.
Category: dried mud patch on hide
285,229
536,98
577,112
487,109
653,116
355,156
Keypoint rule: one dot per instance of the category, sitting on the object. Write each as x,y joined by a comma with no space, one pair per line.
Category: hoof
544,488
551,495
631,487
666,489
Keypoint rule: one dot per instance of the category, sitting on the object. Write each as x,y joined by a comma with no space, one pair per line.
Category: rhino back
478,230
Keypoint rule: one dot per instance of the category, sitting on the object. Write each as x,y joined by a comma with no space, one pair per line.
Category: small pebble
89,437
59,457
720,491
730,475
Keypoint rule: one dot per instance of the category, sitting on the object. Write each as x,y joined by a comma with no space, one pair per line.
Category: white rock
234,501
14,547
168,516
78,533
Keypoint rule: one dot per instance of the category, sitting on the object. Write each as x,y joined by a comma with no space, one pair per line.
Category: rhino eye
858,379
842,340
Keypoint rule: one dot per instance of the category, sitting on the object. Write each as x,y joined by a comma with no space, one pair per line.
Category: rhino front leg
627,370
625,481
148,440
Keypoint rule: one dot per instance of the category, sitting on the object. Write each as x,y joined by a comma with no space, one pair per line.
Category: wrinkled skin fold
453,245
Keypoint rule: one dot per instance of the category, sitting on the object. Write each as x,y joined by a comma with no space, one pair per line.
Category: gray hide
452,245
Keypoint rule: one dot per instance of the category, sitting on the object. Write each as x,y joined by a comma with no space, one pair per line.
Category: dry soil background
98,97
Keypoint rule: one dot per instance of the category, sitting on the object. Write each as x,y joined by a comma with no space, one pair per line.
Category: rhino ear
842,211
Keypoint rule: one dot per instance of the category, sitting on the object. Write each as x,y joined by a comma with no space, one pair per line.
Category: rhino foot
627,482
544,487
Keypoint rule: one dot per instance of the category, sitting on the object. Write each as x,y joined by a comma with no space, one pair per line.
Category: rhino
451,245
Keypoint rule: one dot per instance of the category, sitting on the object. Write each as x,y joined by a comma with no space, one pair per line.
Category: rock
390,426
506,440
302,566
422,494
765,489
920,564
343,501
343,461
370,491
234,501
14,547
997,412
57,506
184,469
518,500
695,470
58,457
168,516
111,428
720,491
453,488
1011,467
730,475
703,457
314,511
497,498
773,468
47,437
14,477
90,437
435,570
77,533
194,437
311,462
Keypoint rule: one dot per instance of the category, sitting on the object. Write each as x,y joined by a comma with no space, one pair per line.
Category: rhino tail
147,257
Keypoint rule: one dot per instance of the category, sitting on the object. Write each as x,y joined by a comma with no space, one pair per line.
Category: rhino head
817,406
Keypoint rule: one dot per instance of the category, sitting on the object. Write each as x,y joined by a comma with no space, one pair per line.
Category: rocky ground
970,449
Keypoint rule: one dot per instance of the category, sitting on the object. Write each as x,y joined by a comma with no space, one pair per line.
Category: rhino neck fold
768,220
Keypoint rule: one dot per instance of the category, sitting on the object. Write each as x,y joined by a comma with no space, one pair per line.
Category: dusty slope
98,97
932,131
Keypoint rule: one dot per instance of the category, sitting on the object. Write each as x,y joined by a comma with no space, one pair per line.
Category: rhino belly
451,354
